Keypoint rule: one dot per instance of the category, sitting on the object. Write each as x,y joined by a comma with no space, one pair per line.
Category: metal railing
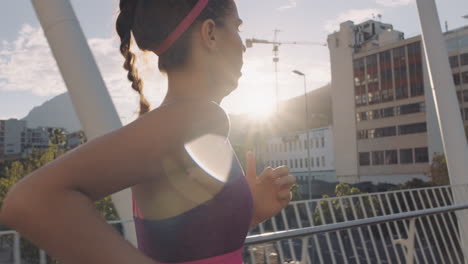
316,230
436,236
405,226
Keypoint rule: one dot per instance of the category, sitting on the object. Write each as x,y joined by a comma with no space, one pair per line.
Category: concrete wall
344,115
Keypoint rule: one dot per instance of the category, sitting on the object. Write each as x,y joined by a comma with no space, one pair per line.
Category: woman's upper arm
128,156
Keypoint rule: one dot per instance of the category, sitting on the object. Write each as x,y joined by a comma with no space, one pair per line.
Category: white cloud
290,4
27,64
356,15
394,3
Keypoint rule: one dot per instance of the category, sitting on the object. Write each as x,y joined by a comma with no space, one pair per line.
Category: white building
12,137
291,150
16,140
38,138
384,119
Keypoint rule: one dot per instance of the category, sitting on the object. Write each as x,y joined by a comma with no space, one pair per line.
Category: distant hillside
57,112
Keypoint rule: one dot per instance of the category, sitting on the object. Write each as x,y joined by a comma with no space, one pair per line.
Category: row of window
465,110
39,140
462,96
455,62
315,162
391,157
391,111
416,80
296,145
458,78
396,73
392,131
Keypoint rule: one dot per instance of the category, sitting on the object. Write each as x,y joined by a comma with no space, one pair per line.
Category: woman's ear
209,34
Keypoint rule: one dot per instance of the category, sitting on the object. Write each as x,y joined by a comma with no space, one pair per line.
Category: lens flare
213,154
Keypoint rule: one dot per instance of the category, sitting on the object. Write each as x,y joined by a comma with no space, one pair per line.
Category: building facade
38,138
385,124
13,134
17,140
291,150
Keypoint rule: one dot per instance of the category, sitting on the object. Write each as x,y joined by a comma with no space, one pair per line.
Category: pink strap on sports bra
229,258
182,27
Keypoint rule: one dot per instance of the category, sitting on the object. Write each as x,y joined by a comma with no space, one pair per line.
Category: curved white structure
84,82
448,113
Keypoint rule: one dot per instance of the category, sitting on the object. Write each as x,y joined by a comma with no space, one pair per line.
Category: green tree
296,194
57,136
12,175
107,209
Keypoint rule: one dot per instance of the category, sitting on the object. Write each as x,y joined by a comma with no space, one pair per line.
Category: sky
29,75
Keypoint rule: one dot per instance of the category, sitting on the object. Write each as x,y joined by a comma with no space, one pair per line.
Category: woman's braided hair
150,22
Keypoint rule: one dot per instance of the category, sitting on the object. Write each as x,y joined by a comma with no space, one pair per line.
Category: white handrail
315,230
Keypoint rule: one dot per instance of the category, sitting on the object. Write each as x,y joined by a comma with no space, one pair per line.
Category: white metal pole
309,173
16,249
84,82
42,257
447,107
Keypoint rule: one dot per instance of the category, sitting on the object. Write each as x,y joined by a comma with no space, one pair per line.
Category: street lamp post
306,128
308,144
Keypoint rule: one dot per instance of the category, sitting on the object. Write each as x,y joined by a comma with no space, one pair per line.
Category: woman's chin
232,88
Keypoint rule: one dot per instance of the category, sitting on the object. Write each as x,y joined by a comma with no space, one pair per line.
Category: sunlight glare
260,110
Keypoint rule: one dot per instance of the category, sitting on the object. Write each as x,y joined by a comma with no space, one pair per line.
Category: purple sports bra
211,233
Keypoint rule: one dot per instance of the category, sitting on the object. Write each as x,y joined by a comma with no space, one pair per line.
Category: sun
260,110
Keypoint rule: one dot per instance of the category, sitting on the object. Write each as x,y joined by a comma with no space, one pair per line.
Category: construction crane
276,44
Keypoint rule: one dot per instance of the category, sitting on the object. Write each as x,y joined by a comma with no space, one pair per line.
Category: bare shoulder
175,124
190,119
169,127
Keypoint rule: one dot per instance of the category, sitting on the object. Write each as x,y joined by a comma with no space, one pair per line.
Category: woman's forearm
69,228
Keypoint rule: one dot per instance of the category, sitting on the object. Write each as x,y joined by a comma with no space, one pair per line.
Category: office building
384,120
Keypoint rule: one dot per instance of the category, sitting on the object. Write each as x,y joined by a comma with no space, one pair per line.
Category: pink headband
182,27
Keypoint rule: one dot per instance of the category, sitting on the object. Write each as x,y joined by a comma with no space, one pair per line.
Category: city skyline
25,57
